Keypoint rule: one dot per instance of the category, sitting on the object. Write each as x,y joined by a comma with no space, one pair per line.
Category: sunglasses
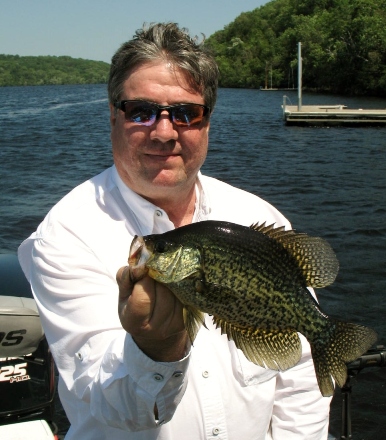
146,113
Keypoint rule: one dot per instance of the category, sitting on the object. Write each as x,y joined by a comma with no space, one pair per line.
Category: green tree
343,45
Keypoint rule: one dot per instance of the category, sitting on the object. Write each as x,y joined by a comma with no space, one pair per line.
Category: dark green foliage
27,71
343,46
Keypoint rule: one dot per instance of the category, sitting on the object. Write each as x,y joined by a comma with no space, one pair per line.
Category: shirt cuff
150,375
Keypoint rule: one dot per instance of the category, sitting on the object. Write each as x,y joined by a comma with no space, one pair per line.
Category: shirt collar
202,207
150,218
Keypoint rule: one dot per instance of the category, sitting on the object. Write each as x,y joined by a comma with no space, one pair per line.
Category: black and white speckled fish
254,282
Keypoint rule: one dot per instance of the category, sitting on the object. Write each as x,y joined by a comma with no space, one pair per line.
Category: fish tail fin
346,342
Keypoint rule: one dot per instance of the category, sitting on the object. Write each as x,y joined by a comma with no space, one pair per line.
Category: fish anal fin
193,320
269,348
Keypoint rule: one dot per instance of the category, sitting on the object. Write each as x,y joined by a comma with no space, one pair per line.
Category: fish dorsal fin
193,320
269,230
313,254
274,349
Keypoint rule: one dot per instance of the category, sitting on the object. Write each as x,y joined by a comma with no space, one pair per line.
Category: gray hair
166,42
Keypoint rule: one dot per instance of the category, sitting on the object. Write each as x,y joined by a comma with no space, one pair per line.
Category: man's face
160,160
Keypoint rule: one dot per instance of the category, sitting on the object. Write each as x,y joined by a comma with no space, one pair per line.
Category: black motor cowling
27,377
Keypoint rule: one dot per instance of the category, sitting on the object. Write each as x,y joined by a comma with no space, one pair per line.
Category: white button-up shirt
107,386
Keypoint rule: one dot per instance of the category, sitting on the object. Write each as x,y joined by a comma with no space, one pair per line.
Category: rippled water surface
328,181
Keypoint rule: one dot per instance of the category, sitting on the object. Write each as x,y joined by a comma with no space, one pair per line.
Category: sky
94,29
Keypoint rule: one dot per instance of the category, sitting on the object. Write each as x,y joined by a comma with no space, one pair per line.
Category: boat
27,376
277,89
273,89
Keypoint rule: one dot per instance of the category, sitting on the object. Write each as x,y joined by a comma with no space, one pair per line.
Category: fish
254,282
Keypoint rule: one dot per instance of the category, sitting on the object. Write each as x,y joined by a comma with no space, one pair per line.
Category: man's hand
153,316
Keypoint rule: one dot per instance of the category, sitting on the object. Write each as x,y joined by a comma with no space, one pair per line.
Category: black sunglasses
146,113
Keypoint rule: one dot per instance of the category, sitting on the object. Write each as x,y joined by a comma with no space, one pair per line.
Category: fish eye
160,246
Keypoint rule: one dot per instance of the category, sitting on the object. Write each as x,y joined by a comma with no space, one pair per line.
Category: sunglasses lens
140,112
188,115
146,113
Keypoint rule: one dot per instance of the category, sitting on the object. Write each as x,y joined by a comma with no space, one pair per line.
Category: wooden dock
329,115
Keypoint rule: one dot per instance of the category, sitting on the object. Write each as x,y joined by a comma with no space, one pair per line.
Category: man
133,374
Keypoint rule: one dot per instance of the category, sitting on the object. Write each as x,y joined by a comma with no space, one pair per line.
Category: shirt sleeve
300,411
98,361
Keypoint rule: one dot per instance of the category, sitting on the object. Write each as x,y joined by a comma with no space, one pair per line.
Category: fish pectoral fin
269,348
193,320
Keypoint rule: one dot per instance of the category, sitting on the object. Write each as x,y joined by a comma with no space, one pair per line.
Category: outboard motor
27,377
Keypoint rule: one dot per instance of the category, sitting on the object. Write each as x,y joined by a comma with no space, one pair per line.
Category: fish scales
255,302
254,282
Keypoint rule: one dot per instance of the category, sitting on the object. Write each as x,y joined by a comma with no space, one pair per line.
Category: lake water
329,182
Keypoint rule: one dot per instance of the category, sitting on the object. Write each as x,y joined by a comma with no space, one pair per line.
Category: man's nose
163,128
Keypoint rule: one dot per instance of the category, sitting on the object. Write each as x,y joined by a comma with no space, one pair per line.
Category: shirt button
205,374
158,377
216,431
177,374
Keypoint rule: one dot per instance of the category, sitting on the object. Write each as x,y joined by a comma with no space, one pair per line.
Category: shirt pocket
246,372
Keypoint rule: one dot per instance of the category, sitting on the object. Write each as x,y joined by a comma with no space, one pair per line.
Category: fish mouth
138,257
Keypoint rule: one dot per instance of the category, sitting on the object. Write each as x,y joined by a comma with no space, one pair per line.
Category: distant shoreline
18,70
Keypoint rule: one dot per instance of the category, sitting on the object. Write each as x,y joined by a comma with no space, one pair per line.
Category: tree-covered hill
24,71
343,46
343,50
